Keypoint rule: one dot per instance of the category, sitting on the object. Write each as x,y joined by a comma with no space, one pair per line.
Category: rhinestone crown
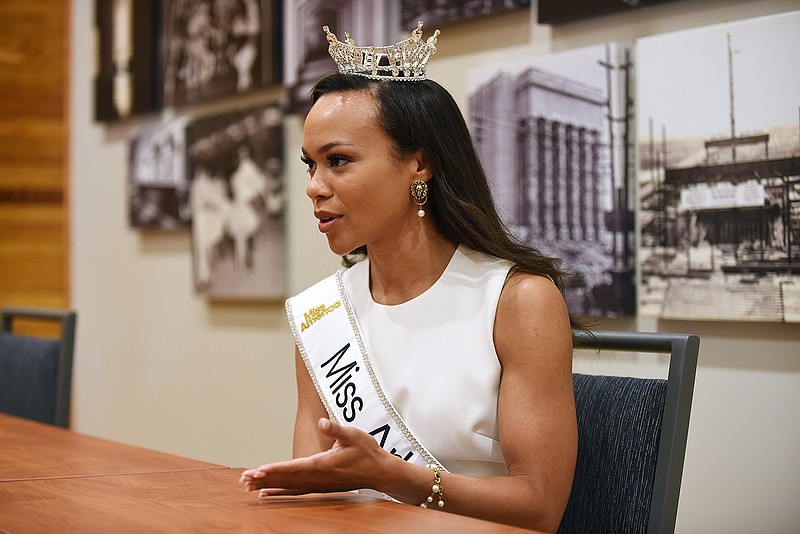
404,61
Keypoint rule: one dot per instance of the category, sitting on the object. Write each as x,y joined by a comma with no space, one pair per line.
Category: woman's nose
316,187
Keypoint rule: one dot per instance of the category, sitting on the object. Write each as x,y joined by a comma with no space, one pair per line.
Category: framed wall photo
306,47
443,12
212,49
236,196
719,171
158,187
127,81
553,135
556,11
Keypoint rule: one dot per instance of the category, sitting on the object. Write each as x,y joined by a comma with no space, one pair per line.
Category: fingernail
259,474
263,494
325,424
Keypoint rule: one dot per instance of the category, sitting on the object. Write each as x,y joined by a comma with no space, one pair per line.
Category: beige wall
160,367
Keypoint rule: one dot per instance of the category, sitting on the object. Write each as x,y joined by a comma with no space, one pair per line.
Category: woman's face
359,188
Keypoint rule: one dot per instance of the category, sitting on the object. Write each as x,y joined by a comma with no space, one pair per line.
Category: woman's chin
338,248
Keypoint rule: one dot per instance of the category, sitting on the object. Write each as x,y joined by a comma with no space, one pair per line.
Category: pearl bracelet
436,489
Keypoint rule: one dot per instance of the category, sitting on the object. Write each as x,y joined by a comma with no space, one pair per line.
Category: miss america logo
315,314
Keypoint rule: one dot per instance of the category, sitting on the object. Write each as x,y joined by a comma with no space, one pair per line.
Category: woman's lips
326,223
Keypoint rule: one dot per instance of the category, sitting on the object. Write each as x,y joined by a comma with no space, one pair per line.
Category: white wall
160,367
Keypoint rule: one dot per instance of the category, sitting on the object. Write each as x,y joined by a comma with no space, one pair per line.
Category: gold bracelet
436,489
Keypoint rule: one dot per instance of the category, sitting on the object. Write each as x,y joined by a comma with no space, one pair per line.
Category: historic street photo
553,133
444,12
306,58
157,181
719,143
557,11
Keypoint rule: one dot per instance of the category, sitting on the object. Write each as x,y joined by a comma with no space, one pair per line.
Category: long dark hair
422,115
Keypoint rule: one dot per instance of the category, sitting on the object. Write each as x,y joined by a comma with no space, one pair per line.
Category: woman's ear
422,169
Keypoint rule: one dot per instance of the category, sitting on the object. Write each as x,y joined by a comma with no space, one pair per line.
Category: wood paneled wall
34,128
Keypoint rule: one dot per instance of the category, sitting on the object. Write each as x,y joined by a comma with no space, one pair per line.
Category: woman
463,330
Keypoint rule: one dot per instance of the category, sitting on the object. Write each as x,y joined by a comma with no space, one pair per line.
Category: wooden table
30,450
55,480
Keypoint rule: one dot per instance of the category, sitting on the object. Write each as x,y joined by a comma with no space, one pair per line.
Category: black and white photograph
553,133
127,81
559,11
158,186
213,49
445,12
719,144
306,58
237,202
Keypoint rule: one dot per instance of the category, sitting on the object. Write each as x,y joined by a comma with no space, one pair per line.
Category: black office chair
631,438
36,372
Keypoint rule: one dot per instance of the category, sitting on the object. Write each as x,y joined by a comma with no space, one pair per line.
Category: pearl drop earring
419,194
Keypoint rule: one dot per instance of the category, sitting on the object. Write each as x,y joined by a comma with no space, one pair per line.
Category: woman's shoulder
532,301
532,318
530,291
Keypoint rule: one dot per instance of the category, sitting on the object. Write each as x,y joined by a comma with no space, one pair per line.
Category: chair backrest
631,438
36,372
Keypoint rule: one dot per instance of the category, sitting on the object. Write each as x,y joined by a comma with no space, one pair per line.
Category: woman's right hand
350,464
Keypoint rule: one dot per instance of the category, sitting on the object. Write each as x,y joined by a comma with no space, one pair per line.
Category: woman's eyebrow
330,146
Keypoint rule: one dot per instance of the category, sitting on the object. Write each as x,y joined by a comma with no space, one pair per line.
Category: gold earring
419,194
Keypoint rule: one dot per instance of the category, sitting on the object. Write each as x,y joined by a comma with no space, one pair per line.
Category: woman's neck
401,273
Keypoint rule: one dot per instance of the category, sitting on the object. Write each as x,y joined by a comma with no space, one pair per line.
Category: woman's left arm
536,417
536,406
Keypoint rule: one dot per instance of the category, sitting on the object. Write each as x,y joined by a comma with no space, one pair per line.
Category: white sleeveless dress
435,358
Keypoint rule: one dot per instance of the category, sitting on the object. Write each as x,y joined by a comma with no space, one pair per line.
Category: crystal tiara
404,61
